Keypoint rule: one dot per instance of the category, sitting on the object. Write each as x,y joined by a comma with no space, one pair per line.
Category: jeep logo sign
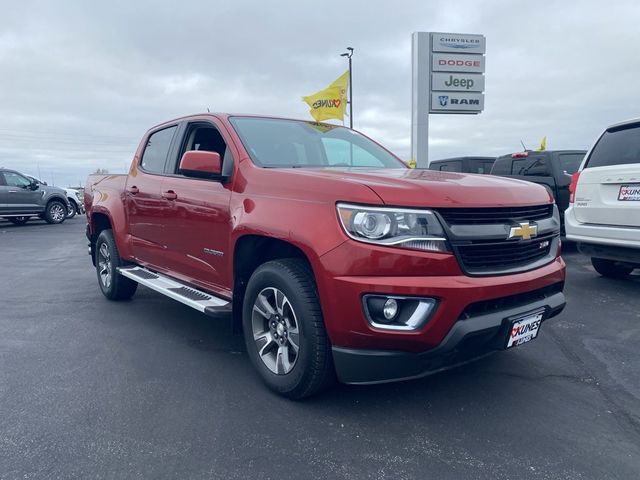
457,82
453,62
457,102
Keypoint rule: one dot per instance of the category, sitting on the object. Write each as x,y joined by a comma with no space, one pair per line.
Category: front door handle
132,190
169,195
13,191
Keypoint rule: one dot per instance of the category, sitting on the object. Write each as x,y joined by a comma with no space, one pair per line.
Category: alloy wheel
104,265
57,213
275,331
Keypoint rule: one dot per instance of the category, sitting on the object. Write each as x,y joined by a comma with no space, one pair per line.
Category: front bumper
468,339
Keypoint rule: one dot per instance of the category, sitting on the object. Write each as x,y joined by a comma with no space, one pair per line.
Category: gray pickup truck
22,198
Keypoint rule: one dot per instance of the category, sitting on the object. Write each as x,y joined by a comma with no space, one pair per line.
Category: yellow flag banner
543,144
342,82
330,102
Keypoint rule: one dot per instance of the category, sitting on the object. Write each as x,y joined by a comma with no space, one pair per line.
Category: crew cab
549,168
22,198
331,256
604,215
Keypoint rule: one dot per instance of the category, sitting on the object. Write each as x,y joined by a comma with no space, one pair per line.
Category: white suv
604,210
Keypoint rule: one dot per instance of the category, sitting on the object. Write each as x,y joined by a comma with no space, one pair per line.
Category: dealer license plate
629,193
524,329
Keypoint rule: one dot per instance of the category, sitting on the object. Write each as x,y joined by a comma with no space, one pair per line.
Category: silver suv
22,198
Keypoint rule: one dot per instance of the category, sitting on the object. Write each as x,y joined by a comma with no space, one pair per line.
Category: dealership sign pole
447,77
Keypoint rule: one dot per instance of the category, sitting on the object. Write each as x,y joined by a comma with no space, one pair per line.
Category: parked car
74,198
21,199
332,256
549,168
604,212
76,206
463,164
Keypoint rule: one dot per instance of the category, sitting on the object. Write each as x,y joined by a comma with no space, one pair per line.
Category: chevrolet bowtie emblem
524,231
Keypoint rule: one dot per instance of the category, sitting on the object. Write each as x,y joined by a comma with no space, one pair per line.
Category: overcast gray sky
81,81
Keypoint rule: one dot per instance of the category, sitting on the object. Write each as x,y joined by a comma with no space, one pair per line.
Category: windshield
274,143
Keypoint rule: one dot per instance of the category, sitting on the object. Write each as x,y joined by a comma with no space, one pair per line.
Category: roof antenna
522,143
208,111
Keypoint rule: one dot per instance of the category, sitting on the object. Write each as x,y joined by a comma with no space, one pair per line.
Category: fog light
390,309
398,313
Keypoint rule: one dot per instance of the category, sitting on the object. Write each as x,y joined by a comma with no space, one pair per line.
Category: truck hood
430,188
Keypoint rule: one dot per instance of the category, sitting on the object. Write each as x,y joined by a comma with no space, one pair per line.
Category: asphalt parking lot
152,389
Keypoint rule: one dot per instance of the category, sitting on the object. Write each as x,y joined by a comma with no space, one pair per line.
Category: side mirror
201,164
33,186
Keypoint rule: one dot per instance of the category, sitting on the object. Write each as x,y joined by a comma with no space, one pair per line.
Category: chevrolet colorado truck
332,257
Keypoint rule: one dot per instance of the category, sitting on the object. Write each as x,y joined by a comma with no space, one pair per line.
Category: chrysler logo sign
457,42
460,42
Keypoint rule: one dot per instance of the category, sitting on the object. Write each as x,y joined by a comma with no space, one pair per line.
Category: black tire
18,220
71,212
56,212
611,268
312,369
113,285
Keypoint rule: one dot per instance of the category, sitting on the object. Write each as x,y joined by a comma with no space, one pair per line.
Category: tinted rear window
570,162
533,165
618,147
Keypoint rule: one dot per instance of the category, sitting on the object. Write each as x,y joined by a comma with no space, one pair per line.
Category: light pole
349,54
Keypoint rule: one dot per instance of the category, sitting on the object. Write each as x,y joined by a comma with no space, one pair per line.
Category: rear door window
616,147
157,149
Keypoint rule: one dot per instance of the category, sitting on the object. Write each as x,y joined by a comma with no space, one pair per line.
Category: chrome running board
201,301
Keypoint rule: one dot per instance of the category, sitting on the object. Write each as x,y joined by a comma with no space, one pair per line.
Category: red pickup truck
331,256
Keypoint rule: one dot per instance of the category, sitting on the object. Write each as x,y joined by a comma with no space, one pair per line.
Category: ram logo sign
457,102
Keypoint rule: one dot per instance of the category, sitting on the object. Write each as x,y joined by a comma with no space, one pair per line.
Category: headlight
78,196
393,227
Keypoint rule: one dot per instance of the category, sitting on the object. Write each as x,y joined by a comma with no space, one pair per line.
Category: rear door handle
13,191
169,195
133,190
